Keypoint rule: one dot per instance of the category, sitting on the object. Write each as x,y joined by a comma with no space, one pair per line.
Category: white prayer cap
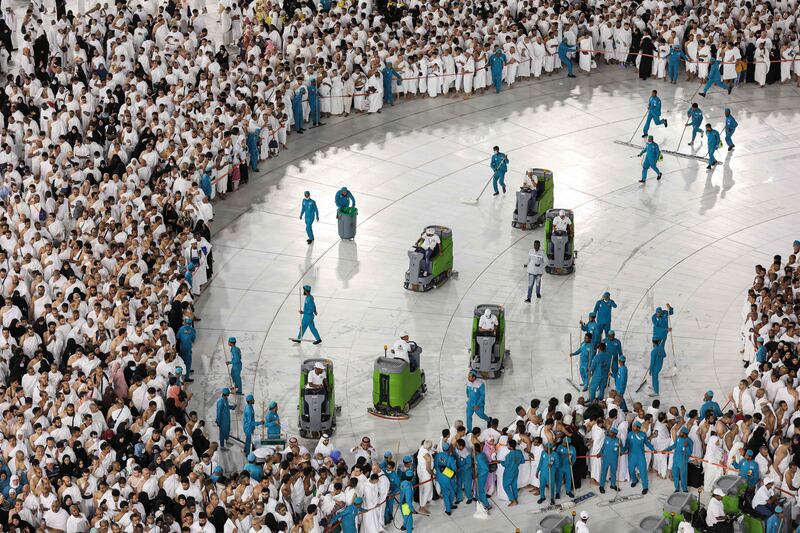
719,492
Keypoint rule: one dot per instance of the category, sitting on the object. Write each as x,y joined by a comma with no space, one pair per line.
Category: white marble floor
691,240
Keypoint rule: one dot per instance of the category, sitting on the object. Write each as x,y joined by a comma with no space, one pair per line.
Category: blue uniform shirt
696,115
654,105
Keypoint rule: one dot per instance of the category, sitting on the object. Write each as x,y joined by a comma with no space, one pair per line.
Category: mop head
480,512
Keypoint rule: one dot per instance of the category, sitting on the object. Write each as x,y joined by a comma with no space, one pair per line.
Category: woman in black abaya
646,62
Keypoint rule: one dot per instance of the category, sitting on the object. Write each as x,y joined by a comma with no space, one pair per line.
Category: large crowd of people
120,124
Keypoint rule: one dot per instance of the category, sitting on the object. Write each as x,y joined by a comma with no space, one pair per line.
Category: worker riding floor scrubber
430,262
560,245
397,385
317,407
488,348
534,203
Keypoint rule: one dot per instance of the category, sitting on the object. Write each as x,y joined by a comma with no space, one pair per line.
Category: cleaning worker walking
652,153
602,310
609,459
236,365
499,165
714,76
614,347
621,382
713,143
564,48
444,475
635,443
186,336
309,210
696,116
309,311
407,501
249,422
586,350
476,399
548,470
653,113
730,127
223,419
511,464
566,458
682,448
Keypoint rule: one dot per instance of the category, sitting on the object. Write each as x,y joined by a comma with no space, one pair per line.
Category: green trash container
347,222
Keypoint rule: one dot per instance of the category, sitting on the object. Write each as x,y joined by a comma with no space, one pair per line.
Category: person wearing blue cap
481,475
511,463
657,356
709,405
186,336
223,420
592,327
476,399
674,61
548,472
249,422
348,517
499,164
609,459
682,450
775,522
389,470
635,443
652,154
309,311
297,103
344,198
496,63
761,351
256,472
407,502
660,322
313,102
602,309
696,116
748,469
236,365
566,459
614,348
598,369
308,209
444,476
713,143
586,350
389,75
730,127
272,422
621,382
387,457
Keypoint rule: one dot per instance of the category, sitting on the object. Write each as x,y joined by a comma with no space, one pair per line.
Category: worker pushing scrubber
398,381
488,345
430,262
534,198
559,241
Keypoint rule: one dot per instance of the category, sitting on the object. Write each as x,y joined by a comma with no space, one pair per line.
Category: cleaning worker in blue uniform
713,143
682,451
709,406
660,321
621,382
186,336
389,75
511,464
344,198
465,472
309,311
476,399
407,502
256,472
548,473
598,369
715,77
309,210
761,351
653,113
609,454
297,105
313,102
387,458
566,459
586,350
223,419
593,328
651,153
564,49
775,522
253,135
444,474
499,165
748,469
236,365
635,443
394,486
602,310
730,127
696,116
272,422
481,474
348,517
249,422
496,62
614,348
673,62
657,356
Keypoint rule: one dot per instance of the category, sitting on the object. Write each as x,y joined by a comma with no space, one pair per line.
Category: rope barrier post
672,522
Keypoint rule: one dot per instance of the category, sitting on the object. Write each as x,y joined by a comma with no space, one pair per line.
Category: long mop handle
227,363
687,124
571,374
639,126
485,186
